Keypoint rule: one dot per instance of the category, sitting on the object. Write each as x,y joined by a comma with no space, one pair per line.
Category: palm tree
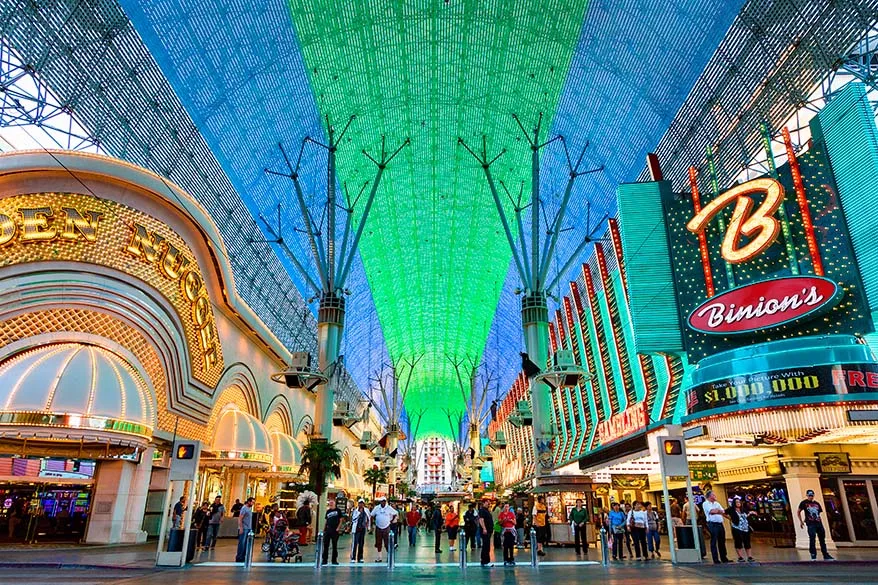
373,477
320,459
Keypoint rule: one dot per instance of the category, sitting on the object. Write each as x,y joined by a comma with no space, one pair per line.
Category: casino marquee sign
81,228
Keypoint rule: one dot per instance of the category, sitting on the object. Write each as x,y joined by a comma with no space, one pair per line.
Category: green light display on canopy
434,250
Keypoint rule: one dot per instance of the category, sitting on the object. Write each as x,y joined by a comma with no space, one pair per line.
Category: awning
286,454
76,393
625,449
240,440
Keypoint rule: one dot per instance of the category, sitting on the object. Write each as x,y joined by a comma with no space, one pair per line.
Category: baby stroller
282,543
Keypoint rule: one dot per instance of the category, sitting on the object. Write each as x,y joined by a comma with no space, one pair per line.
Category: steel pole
534,558
463,553
605,553
535,320
248,551
318,550
391,549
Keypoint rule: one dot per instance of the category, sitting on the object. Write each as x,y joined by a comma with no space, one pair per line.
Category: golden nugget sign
81,228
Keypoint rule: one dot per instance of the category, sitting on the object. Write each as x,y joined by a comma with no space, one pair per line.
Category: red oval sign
763,305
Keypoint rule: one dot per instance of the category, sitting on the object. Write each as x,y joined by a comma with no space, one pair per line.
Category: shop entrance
851,509
773,523
44,500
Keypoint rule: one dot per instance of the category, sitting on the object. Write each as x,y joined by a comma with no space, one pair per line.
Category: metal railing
462,553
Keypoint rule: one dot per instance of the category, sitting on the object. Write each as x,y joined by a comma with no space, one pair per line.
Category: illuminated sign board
760,261
767,387
72,227
833,463
632,419
765,304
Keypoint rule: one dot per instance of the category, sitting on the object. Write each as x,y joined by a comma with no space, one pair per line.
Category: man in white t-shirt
715,513
383,515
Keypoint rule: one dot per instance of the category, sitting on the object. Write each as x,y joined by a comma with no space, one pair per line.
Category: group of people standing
637,522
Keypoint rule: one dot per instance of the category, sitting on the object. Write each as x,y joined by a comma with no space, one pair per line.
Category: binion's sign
765,260
765,304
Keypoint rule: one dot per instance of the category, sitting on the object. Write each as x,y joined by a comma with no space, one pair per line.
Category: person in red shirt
412,517
507,524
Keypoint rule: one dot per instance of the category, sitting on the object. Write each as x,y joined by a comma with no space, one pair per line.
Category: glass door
860,508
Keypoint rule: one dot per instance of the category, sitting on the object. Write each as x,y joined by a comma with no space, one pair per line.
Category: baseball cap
361,501
809,493
382,499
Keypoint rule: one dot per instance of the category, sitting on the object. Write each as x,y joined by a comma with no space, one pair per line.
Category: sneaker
511,563
378,560
741,560
813,557
828,558
541,553
488,565
659,553
335,563
751,560
361,561
451,549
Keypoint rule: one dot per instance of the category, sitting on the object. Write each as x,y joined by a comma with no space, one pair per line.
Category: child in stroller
281,542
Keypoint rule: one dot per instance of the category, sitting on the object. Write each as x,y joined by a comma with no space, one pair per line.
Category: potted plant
320,459
373,477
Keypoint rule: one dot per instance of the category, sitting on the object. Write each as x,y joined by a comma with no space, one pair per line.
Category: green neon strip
434,253
600,372
628,337
612,350
782,212
661,379
714,187
586,390
568,445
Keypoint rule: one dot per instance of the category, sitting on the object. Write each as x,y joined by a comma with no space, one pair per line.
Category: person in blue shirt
616,520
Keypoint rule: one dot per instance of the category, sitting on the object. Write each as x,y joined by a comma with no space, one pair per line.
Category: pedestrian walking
332,520
541,523
637,523
812,511
199,524
626,507
412,518
245,525
470,526
217,511
715,514
653,536
436,525
578,520
520,519
507,525
361,520
616,520
452,523
486,526
739,517
383,515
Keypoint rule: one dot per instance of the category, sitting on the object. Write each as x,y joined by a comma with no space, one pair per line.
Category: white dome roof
74,385
286,453
241,437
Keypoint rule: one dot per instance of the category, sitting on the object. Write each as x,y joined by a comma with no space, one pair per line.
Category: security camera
299,374
522,415
366,443
498,443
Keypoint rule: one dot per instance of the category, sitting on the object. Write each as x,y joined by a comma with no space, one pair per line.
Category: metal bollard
534,558
318,549
605,552
463,554
391,549
248,550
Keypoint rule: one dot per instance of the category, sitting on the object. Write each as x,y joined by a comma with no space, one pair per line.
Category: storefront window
860,509
838,526
773,520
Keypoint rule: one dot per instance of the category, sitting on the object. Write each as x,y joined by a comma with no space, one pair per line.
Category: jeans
717,542
486,549
469,538
653,540
212,530
820,532
330,539
639,537
413,533
579,535
241,554
357,547
438,543
508,546
618,539
519,536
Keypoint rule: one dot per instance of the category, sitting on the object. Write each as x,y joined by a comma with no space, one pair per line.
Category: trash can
190,550
175,541
684,537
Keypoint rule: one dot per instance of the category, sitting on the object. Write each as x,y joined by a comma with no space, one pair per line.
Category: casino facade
742,317
120,330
